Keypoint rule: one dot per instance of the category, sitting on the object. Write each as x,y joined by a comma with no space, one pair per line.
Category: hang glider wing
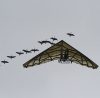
62,52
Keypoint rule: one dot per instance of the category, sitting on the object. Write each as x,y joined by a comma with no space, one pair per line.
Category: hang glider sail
62,52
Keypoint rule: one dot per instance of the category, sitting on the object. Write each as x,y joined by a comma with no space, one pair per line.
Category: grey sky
24,22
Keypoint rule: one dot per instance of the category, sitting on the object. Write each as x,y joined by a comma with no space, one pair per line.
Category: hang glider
63,52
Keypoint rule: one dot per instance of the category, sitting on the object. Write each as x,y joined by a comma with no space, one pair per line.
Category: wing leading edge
62,52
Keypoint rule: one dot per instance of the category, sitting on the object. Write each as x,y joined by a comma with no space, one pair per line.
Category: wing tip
25,66
95,67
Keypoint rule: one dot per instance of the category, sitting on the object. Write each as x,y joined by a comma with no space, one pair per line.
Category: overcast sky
24,22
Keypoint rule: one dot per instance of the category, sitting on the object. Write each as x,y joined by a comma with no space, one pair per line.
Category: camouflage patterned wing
54,53
50,54
79,58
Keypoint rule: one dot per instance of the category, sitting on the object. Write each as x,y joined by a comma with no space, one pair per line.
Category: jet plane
19,53
53,38
45,42
41,42
26,51
4,62
11,57
70,34
34,50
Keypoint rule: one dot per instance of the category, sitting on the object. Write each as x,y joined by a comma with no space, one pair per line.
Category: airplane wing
54,53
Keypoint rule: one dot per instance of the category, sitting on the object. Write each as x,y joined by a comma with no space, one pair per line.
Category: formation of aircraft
19,53
61,51
35,50
30,51
70,34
